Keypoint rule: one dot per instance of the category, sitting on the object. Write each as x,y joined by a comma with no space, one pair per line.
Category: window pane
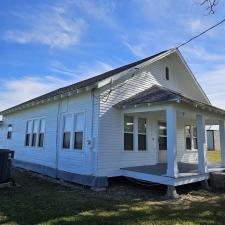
162,129
41,140
34,138
162,143
128,124
66,140
29,126
141,126
188,143
68,123
9,134
141,142
27,142
79,122
128,141
194,131
36,126
195,143
188,131
78,141
42,125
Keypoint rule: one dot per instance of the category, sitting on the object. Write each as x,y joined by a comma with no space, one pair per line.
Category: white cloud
82,71
213,83
196,25
140,44
15,91
202,54
101,10
49,25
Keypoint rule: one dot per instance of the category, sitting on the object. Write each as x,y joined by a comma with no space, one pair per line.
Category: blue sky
48,44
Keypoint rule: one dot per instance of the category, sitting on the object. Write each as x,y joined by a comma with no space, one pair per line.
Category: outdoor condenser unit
6,157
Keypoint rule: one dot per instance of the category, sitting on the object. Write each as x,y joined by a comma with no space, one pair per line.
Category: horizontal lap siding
71,161
43,156
111,154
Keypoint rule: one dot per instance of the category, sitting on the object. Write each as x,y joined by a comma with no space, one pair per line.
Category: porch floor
188,173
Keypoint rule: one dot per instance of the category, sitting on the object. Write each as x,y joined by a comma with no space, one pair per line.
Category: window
28,132
162,131
73,131
128,133
191,137
35,133
167,73
188,137
41,133
9,133
67,131
78,134
195,140
142,134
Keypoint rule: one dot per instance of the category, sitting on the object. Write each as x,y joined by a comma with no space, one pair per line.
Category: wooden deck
188,173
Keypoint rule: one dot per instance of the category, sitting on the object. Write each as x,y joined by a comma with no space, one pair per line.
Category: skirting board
88,180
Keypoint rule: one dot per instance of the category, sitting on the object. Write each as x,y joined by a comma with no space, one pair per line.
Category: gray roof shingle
85,83
159,94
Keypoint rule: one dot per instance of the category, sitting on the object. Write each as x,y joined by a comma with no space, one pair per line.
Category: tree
210,5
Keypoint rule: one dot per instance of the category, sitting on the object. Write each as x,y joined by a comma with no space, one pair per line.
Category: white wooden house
145,120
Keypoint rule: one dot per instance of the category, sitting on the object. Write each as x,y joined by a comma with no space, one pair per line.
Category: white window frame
135,133
192,138
161,135
32,131
146,134
72,136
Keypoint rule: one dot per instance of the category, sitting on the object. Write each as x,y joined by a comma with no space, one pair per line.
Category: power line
205,31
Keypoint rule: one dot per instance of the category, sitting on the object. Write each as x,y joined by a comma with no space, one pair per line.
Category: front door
162,139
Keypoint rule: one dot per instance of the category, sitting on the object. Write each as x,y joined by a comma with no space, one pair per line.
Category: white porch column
222,141
171,119
201,139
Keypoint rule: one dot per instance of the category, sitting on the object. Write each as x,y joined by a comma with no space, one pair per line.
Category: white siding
112,157
72,161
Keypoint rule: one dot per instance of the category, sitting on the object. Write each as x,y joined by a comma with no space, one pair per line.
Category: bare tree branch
210,5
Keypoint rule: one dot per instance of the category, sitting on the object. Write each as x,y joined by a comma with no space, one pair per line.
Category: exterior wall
111,154
80,162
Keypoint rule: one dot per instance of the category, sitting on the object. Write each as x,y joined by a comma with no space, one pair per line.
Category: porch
175,134
188,173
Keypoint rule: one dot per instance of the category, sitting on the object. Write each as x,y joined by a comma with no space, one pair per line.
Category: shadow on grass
40,202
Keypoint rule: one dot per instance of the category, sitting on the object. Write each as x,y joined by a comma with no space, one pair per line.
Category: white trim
72,149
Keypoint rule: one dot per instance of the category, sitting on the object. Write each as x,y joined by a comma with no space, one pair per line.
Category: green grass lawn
214,156
38,201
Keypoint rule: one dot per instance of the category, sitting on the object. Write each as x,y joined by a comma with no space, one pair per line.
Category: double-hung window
162,131
35,133
188,137
73,131
67,131
195,140
191,137
9,133
41,135
28,132
128,133
78,131
142,134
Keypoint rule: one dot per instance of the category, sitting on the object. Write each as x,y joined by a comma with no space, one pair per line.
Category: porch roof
159,94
